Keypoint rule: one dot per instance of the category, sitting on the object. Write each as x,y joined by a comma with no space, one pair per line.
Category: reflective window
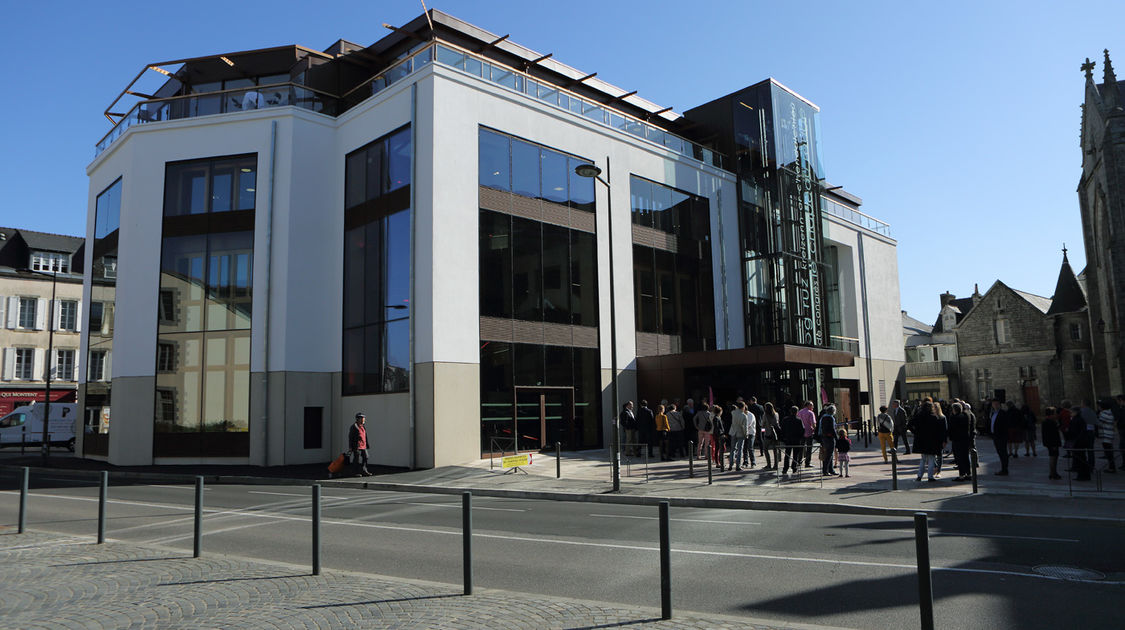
377,259
527,269
525,169
581,188
204,307
495,151
553,168
673,290
495,264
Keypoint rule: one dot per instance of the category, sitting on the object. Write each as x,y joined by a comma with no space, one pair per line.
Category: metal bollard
23,500
691,460
558,460
615,458
894,469
925,587
316,529
665,564
104,490
710,455
197,549
973,467
467,539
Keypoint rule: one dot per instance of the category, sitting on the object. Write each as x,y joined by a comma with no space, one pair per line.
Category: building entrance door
543,416
1031,398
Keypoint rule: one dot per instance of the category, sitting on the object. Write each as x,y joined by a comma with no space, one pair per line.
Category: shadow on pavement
383,601
241,579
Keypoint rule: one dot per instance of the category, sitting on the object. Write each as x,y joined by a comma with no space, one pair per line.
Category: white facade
298,283
870,305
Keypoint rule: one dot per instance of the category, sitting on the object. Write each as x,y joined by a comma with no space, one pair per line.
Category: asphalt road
810,568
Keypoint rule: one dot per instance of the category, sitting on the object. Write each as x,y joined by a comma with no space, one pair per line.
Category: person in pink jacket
808,420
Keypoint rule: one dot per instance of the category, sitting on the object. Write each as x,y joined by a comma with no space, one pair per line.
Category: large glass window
204,308
99,320
776,136
537,271
534,171
673,290
377,259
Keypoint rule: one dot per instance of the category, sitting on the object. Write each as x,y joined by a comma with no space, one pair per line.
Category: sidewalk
586,476
52,581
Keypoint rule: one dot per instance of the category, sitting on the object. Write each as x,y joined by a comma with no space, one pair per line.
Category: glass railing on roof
553,95
259,97
224,102
855,217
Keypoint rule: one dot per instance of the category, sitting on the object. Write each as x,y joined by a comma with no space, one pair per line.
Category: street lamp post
592,171
46,446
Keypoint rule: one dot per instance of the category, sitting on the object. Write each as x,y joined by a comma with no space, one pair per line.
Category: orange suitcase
338,463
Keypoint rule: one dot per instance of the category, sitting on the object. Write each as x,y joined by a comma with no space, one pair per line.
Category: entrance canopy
754,371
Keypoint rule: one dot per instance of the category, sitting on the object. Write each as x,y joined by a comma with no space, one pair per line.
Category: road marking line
293,494
192,488
475,507
728,554
681,520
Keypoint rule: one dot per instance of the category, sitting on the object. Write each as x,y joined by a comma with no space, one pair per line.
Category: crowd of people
1075,431
729,435
735,435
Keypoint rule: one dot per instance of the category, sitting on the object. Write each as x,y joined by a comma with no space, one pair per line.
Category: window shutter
40,313
13,311
3,309
54,365
78,375
9,363
37,363
107,376
77,317
56,315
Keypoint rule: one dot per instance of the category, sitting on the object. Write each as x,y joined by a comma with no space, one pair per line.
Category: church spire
1109,83
1068,297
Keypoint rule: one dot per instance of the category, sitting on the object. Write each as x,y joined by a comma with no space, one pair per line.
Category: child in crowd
843,445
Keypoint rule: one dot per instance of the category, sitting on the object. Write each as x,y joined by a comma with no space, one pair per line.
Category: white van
25,424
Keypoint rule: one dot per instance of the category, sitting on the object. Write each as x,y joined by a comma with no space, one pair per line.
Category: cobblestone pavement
51,581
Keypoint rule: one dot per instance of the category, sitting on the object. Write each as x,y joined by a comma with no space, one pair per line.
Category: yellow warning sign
515,461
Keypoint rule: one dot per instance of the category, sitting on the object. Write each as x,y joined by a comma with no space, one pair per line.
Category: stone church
1101,198
1024,347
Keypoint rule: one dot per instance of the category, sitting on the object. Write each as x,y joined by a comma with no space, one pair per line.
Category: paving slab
52,581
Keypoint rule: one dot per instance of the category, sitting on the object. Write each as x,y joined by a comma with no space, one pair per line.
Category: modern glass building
399,229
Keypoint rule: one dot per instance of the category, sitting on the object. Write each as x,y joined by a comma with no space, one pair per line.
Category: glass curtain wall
542,273
777,145
674,289
99,321
202,405
376,343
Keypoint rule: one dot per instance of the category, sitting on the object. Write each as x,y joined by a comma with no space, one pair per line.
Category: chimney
946,298
976,294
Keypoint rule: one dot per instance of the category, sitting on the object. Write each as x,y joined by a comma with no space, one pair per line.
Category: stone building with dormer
1019,346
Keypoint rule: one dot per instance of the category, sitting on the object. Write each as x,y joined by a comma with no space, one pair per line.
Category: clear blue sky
955,122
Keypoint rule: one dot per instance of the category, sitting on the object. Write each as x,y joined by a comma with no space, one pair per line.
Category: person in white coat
739,428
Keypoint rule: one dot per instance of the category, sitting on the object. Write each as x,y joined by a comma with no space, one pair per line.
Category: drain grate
1068,573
